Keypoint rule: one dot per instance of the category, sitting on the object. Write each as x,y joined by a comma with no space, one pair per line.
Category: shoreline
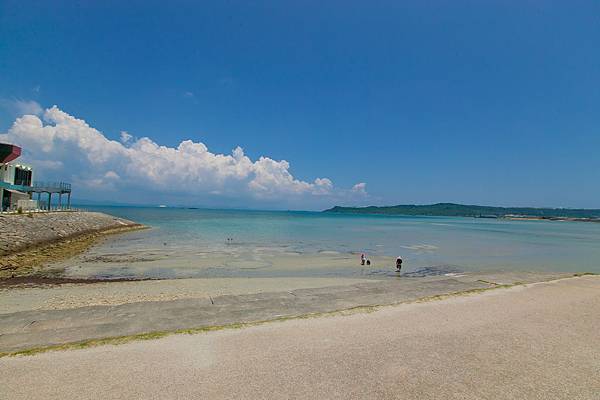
492,217
558,219
474,211
48,280
26,251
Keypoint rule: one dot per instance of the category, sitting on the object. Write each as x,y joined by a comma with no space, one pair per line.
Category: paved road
534,342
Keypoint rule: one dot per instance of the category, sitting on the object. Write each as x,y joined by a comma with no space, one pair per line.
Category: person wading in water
398,263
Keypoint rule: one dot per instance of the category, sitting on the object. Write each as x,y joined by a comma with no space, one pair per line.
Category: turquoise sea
204,243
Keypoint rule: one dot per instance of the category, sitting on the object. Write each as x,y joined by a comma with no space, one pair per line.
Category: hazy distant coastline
462,210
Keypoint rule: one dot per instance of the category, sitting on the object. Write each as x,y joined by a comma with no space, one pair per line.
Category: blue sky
474,102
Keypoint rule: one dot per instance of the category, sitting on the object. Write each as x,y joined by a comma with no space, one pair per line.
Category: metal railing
14,210
52,187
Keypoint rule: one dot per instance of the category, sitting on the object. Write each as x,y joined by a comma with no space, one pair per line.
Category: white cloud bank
360,188
22,107
69,146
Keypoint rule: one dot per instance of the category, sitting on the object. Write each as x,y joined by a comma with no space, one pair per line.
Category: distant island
462,210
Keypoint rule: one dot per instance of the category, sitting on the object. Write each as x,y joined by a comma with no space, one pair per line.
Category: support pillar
69,201
49,200
60,201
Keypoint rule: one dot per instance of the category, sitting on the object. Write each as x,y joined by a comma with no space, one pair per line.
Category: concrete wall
27,204
7,172
20,231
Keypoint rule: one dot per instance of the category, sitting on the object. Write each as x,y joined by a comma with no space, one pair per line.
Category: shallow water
194,243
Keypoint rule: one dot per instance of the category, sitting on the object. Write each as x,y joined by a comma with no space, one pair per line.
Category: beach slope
536,341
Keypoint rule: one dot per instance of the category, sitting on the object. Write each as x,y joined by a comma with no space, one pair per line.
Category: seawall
28,240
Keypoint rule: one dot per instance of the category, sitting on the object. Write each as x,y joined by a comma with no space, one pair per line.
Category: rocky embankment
30,240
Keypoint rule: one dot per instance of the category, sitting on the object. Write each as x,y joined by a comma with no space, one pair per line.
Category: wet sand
538,341
34,259
168,263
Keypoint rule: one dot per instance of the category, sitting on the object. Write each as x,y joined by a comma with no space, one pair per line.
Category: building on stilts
19,190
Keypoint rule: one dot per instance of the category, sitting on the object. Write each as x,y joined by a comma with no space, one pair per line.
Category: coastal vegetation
462,210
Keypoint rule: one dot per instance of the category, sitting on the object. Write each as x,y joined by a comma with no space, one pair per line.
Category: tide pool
217,243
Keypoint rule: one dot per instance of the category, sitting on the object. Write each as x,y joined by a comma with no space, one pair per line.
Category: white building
15,175
17,186
16,179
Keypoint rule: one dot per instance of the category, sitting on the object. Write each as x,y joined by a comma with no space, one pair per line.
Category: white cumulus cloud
90,159
125,137
22,107
360,188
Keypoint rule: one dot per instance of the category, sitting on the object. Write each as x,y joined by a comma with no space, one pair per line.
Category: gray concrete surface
31,329
534,342
21,231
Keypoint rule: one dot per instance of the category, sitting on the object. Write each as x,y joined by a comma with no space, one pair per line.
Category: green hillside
461,210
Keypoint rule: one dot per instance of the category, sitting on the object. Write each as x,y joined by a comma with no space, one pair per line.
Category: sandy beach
283,324
538,341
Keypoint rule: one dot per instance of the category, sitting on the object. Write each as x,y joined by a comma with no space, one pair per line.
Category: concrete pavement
534,342
32,329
